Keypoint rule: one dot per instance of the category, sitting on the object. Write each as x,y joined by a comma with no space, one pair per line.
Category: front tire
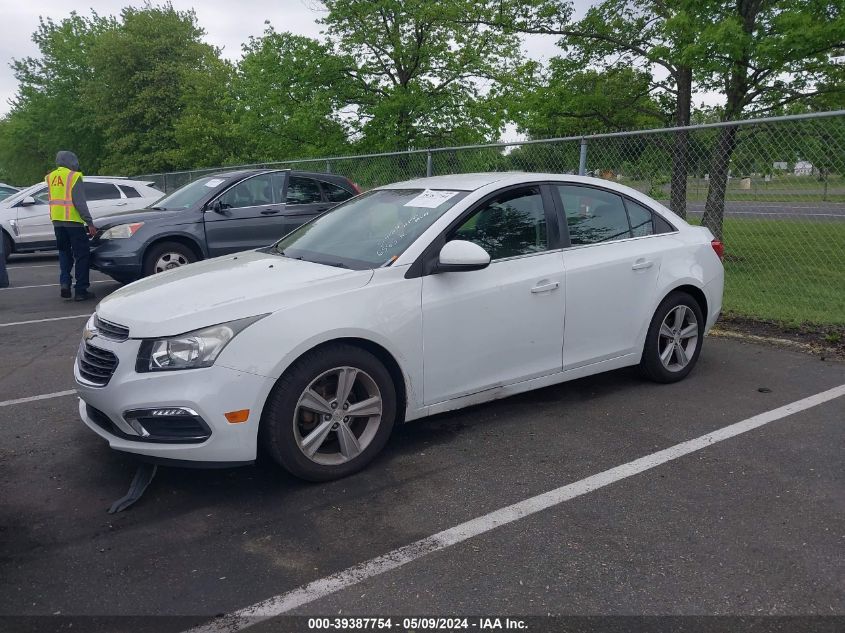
166,256
674,339
330,414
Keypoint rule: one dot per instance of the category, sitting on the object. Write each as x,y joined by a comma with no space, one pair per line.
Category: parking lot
750,524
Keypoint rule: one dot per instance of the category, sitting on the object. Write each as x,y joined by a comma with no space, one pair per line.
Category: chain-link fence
772,189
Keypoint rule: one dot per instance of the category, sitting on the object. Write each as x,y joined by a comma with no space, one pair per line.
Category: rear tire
166,256
674,339
330,413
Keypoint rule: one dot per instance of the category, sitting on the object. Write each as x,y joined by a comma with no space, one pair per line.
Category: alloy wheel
678,338
337,415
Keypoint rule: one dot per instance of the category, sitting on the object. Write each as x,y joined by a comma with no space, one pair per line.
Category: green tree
422,72
155,80
290,90
50,111
658,37
765,55
572,101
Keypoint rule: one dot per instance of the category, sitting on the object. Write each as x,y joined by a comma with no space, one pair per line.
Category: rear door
304,199
103,198
251,216
612,266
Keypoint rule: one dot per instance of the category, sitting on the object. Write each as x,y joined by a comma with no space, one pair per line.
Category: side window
251,192
641,219
593,215
129,192
511,224
100,191
42,197
303,191
335,193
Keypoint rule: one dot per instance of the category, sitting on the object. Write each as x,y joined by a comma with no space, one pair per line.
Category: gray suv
214,215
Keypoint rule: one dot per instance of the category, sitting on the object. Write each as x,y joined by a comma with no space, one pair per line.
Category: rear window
335,193
303,191
129,192
100,191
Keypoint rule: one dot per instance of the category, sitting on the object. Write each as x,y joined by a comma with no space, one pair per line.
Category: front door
33,225
250,216
502,324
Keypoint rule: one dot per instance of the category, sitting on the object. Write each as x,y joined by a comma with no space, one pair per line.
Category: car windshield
369,231
190,194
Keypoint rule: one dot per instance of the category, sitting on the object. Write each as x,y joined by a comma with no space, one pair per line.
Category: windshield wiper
158,208
283,254
335,264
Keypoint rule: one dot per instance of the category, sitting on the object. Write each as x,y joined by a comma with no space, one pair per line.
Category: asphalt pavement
752,525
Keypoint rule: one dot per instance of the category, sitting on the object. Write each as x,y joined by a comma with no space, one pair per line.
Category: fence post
582,160
328,167
429,167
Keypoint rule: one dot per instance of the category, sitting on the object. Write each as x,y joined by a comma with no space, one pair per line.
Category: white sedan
409,300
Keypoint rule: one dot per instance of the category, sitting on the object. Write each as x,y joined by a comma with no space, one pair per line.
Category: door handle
545,287
642,264
270,212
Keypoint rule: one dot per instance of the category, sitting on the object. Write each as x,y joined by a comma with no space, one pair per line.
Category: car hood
223,289
146,215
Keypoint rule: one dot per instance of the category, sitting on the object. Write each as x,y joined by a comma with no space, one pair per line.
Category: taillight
356,187
719,248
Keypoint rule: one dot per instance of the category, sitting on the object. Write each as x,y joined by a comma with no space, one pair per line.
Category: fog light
168,424
171,412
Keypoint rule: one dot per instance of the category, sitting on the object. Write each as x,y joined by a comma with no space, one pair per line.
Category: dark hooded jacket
69,160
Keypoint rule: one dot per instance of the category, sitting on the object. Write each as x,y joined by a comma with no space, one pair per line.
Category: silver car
25,216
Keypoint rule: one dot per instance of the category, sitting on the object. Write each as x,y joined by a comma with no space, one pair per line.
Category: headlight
121,231
199,348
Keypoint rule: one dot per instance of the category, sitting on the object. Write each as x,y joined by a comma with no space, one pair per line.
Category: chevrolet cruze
409,300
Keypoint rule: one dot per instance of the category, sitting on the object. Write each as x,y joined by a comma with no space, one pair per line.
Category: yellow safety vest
60,184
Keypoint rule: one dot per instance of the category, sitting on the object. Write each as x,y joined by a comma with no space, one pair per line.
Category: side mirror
460,255
216,206
28,201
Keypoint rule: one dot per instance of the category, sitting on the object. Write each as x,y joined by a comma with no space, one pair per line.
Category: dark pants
72,242
4,276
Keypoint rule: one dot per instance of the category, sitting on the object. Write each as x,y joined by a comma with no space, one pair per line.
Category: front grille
110,330
96,365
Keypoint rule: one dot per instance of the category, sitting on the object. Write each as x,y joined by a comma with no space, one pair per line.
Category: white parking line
43,396
101,281
75,316
323,587
12,267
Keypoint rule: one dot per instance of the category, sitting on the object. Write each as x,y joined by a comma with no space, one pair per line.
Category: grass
791,272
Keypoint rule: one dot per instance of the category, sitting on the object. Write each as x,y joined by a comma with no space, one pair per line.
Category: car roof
243,173
460,182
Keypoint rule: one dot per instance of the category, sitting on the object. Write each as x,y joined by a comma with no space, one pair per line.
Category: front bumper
210,392
112,258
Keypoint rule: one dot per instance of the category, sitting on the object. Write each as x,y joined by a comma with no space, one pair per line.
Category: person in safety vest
70,215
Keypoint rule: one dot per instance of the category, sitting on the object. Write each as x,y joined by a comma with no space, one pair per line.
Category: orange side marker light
237,417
